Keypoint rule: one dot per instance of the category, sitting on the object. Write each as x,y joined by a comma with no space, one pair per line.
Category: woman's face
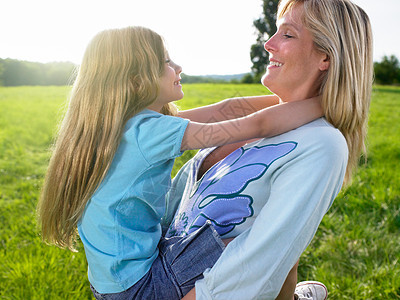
170,86
295,65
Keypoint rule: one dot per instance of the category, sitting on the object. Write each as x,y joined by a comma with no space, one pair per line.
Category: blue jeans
181,262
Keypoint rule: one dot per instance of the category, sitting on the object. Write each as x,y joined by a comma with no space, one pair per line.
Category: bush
387,71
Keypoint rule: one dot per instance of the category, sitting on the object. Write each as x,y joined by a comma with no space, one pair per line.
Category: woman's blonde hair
118,78
342,31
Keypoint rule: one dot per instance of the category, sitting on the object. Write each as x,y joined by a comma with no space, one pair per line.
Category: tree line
15,73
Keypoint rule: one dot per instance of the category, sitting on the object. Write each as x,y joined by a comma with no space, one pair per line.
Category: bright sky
204,37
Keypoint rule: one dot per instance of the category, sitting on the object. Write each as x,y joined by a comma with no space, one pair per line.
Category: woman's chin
266,80
267,83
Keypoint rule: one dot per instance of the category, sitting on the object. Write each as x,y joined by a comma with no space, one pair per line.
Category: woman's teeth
275,63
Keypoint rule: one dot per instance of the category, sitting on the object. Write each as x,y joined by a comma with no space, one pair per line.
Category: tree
1,71
266,27
247,78
387,71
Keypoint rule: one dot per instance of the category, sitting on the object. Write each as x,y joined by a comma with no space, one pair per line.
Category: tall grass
30,269
355,252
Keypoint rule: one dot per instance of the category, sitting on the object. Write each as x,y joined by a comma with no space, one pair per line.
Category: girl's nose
178,69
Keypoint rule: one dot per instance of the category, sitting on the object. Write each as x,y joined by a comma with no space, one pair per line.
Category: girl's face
295,65
170,86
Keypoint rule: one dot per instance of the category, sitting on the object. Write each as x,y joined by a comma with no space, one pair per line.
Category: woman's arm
229,109
267,122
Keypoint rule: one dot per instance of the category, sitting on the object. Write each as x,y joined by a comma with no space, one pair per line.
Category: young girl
111,165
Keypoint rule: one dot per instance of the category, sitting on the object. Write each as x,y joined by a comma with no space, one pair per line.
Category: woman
273,193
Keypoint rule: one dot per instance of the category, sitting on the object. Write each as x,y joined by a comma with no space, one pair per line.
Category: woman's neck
290,97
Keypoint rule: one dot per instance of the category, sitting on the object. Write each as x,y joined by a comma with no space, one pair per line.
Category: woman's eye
288,36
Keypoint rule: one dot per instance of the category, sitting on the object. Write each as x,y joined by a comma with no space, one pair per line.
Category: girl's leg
186,258
287,290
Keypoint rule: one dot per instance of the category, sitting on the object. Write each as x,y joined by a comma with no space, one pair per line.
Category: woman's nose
269,45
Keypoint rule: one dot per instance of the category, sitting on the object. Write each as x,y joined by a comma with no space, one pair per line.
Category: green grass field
355,252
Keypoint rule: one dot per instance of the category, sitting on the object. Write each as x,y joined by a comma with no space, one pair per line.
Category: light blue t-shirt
120,227
271,195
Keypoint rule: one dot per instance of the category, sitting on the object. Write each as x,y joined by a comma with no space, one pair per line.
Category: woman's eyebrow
291,25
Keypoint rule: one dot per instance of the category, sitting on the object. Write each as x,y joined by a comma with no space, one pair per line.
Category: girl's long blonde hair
342,31
118,78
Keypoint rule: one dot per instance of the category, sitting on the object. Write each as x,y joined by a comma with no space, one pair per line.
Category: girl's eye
167,61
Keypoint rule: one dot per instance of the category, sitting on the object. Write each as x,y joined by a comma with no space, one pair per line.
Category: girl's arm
229,109
264,123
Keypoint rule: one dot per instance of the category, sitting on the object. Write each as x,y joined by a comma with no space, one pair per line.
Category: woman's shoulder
321,130
317,138
322,137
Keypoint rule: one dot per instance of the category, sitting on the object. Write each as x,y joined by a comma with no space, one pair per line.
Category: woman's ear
324,64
